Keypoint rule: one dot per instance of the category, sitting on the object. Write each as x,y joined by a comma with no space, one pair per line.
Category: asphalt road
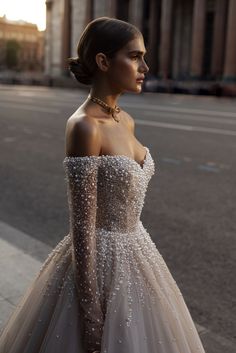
190,205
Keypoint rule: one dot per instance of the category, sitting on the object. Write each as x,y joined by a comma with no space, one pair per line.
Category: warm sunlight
27,10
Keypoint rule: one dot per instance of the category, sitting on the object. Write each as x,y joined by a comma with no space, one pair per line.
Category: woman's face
128,67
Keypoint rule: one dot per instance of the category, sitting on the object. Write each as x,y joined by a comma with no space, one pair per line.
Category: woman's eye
136,57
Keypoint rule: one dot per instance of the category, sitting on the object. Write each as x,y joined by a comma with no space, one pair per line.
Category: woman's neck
104,92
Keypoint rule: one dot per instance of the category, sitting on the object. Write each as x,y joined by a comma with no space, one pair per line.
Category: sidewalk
21,258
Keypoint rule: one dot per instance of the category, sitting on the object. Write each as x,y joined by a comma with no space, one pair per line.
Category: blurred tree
12,52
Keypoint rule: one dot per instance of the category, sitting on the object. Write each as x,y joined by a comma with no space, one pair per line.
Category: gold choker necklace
109,109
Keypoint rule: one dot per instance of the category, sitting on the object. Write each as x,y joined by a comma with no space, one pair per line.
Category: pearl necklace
109,109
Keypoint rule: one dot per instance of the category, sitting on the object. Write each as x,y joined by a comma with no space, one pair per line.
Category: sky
33,11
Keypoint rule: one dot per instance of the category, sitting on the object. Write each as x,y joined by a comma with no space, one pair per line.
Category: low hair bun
80,71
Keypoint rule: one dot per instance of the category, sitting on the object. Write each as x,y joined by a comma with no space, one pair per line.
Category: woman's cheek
124,71
130,67
126,66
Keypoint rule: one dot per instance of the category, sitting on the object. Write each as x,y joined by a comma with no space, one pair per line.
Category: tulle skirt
145,310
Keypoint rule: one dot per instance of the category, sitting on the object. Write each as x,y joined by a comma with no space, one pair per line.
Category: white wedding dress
105,286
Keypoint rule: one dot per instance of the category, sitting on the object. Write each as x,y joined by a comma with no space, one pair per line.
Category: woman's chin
138,89
134,89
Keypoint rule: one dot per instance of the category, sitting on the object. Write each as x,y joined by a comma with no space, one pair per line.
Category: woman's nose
145,68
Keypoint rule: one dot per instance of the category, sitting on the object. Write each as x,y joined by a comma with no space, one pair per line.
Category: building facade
186,40
21,46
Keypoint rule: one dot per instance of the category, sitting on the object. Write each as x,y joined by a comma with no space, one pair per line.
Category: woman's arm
82,194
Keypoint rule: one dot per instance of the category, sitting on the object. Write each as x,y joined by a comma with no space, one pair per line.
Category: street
190,205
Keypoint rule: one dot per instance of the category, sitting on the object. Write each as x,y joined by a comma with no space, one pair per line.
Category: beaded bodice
121,191
105,195
121,186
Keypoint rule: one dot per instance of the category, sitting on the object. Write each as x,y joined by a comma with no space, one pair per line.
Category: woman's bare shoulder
82,137
129,121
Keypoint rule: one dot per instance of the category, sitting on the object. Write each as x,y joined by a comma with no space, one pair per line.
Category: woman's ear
102,61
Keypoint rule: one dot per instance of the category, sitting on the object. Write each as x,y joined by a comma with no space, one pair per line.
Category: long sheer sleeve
81,174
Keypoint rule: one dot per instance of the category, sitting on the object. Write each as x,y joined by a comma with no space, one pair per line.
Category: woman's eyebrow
137,52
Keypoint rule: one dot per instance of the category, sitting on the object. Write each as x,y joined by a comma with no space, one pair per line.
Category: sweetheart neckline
113,156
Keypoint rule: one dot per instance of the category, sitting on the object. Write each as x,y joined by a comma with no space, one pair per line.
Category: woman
105,288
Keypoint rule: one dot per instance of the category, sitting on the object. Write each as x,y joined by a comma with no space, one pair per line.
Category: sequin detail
102,195
127,255
113,254
105,285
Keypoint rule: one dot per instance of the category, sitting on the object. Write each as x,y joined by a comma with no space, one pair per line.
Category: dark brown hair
104,34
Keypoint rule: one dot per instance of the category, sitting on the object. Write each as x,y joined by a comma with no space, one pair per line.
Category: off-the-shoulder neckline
74,158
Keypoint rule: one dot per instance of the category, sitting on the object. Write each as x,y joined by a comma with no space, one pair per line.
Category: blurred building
186,39
21,46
